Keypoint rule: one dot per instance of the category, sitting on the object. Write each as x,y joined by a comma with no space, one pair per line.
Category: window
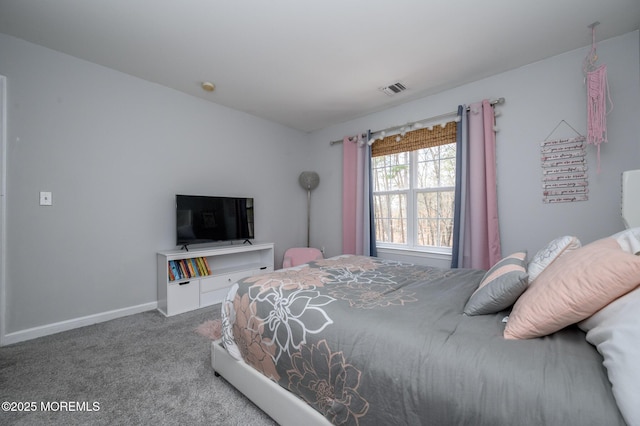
413,194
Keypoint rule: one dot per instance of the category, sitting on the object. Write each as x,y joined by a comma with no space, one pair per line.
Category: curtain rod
437,117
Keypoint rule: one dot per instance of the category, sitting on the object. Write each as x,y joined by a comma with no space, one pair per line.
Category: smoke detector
393,89
208,86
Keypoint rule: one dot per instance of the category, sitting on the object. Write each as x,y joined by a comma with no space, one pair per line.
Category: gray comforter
374,342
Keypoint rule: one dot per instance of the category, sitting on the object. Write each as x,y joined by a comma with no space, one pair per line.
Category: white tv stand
227,264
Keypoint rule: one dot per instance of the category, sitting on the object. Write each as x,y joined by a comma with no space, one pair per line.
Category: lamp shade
309,180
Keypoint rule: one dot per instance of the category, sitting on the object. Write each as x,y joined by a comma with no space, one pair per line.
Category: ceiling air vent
394,89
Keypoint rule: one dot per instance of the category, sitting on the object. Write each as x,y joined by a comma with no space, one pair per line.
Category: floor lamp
309,181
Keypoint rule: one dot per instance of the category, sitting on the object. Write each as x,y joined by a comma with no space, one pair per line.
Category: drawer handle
183,283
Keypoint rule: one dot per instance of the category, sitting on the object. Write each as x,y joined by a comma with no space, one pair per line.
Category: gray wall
114,150
538,97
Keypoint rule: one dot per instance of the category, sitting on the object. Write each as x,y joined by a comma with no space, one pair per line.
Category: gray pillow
500,287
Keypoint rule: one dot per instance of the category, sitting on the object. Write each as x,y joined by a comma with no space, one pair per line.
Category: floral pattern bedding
367,341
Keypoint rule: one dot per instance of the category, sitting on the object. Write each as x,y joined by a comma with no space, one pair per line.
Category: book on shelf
175,270
184,272
171,276
192,273
206,265
194,266
187,264
203,266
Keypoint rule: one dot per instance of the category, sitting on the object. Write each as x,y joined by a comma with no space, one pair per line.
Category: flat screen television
204,219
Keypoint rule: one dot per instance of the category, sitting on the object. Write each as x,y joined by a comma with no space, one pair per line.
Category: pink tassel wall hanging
597,96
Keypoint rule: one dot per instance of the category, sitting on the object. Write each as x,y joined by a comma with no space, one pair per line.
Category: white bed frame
280,404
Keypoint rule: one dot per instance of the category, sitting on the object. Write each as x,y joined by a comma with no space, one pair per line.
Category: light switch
45,199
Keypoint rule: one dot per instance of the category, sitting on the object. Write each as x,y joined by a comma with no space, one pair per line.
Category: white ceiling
311,64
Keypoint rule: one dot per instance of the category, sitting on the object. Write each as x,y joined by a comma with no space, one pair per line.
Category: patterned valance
417,139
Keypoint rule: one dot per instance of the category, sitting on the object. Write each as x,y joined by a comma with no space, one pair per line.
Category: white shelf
227,265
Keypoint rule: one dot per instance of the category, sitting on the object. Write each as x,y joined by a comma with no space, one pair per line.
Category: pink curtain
349,195
482,231
356,226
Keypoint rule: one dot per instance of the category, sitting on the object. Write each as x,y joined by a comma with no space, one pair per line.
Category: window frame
412,193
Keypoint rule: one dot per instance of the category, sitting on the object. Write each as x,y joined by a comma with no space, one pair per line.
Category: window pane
436,166
391,218
448,151
448,172
446,233
435,218
447,209
427,173
391,172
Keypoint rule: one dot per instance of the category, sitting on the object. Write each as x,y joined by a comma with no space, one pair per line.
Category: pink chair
299,255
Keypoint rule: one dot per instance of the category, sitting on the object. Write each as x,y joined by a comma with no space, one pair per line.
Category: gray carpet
141,369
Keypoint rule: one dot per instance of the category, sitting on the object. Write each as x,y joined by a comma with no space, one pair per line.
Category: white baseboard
45,330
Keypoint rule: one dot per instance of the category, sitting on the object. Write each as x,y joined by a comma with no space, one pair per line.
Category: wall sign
564,169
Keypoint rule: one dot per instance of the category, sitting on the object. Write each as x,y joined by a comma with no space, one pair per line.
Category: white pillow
615,331
629,240
545,256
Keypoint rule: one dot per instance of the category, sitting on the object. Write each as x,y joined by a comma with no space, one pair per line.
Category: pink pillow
573,288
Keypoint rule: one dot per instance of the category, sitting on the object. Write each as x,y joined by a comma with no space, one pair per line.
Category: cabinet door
183,297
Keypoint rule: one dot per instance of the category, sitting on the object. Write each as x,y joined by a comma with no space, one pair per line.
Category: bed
366,341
